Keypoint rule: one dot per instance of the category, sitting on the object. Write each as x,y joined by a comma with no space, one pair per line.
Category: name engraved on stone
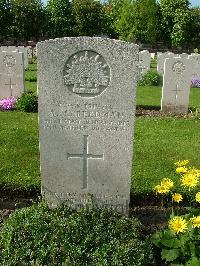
86,73
9,61
85,156
10,84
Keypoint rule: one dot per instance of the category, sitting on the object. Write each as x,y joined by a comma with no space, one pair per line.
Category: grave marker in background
144,62
161,60
195,60
21,49
11,74
86,114
176,85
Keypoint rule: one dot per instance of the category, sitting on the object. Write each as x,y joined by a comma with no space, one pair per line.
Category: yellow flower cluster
177,197
189,180
181,163
164,187
195,221
177,224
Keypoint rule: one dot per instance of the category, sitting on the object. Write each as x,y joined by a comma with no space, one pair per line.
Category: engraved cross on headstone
176,93
85,156
10,84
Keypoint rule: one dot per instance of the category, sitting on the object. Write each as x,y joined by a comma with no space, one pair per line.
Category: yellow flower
181,163
181,169
177,197
164,187
160,189
197,197
195,172
167,182
189,180
177,224
195,221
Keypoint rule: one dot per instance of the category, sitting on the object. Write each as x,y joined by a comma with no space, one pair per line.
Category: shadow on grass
148,107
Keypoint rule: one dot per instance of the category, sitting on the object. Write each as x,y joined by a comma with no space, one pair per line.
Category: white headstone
153,55
195,60
176,85
11,74
30,52
144,62
86,113
184,55
161,59
21,49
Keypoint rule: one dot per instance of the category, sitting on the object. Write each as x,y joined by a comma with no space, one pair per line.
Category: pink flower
8,103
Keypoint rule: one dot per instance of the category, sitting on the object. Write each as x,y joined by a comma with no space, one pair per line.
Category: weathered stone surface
30,52
195,61
144,62
176,85
11,74
21,49
161,60
184,55
86,114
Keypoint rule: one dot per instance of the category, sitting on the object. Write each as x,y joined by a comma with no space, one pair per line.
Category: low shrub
8,104
28,102
62,236
150,78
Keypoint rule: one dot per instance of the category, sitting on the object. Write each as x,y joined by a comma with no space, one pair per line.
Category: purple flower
8,103
195,83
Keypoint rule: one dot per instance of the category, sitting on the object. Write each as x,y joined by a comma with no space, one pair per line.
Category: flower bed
8,103
195,83
179,243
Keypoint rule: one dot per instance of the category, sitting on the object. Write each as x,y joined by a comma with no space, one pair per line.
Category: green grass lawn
30,74
19,160
159,142
150,97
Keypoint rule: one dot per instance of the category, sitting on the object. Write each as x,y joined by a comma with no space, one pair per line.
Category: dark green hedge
62,236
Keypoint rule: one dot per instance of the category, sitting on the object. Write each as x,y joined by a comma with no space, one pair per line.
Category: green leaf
170,254
156,238
171,243
193,262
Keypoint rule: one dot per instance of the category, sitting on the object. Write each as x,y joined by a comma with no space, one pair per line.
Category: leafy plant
30,77
150,78
179,243
62,236
28,102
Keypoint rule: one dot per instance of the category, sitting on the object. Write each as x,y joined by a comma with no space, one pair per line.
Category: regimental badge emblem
9,61
178,67
86,73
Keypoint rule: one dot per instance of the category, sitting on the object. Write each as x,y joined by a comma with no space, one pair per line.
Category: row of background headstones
177,71
65,147
175,91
